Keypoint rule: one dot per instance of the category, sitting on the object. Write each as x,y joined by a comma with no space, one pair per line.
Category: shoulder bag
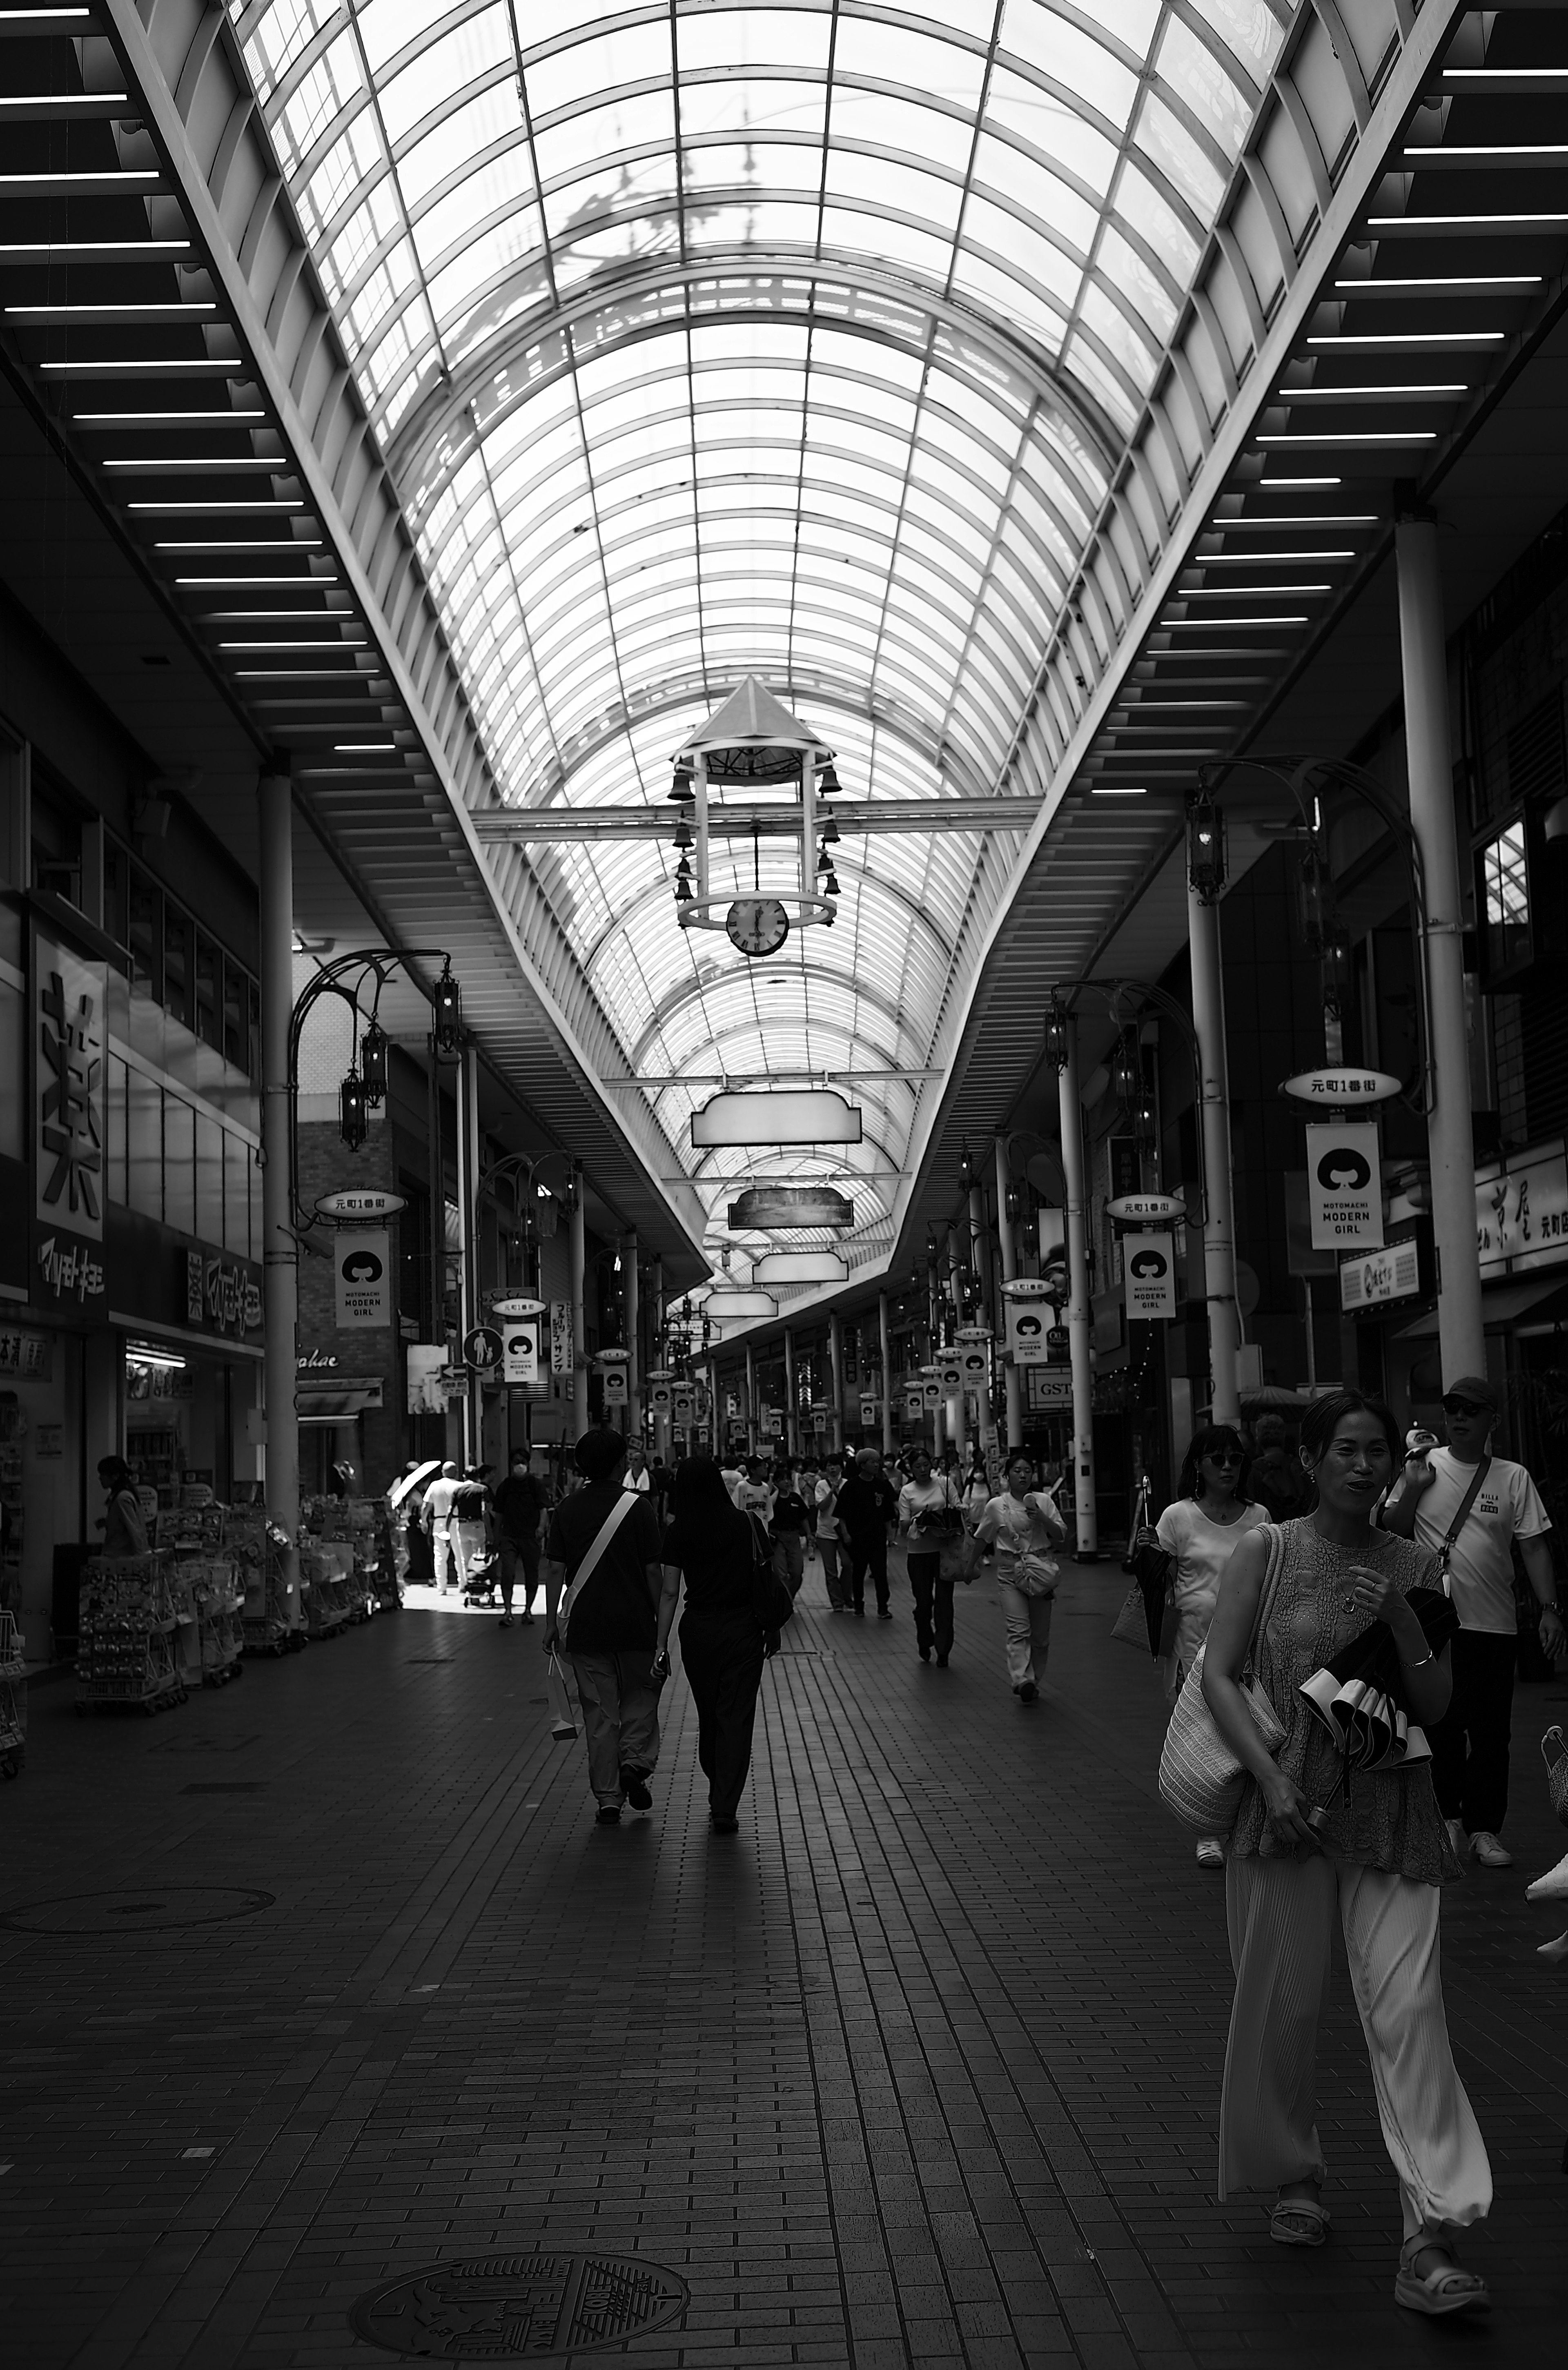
772,1602
1140,1619
623,1506
1201,1777
1461,1516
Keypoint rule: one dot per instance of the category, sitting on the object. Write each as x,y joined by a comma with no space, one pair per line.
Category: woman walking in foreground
1303,1855
710,1544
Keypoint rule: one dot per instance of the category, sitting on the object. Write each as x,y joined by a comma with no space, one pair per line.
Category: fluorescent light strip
153,465
1515,152
1465,283
1415,391
1263,558
116,312
282,543
1496,75
257,584
298,675
1241,591
108,184
53,250
361,748
275,617
328,642
1109,791
121,368
1367,436
1294,485
1208,625
1403,341
1285,518
158,420
221,509
1415,223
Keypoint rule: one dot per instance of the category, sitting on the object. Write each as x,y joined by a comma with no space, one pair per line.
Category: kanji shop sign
68,1090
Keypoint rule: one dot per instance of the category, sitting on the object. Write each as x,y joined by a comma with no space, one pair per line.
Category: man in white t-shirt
1469,1743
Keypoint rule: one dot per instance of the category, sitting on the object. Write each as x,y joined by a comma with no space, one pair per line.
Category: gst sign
1521,1217
69,1089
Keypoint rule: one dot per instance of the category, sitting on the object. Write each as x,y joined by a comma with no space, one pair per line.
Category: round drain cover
519,2307
141,1909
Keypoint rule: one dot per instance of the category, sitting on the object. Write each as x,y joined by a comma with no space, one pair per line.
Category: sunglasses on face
1462,1406
1224,1457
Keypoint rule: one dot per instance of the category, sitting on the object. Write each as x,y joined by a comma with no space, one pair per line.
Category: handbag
563,1724
1202,1778
1140,1621
772,1602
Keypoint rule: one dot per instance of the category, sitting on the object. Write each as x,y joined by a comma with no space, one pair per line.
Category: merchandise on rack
253,1542
326,1575
361,1525
127,1623
13,1698
206,1587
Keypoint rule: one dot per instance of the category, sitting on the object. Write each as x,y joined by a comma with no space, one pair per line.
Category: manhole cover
519,2307
228,1786
149,1910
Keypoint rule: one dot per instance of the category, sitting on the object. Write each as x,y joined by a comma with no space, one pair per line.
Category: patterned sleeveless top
1391,1820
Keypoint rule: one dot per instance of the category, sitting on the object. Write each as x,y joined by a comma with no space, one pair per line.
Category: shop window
238,1167
1505,900
117,894
209,1179
13,1119
179,1165
179,964
143,1143
146,934
253,1029
208,1021
117,1121
236,1047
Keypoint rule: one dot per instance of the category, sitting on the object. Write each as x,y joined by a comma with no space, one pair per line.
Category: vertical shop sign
561,1336
1026,1331
614,1386
1345,1186
520,1358
1149,1263
362,1256
68,1089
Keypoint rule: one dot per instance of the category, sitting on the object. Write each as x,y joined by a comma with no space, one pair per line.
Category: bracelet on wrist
1420,1665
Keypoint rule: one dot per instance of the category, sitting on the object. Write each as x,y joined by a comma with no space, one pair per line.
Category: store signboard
362,1262
1372,1278
616,1392
520,1356
26,1357
1050,1390
221,1293
360,1207
508,1305
684,1407
69,1083
660,1398
913,1404
1521,1214
561,1336
870,1412
1148,1263
1345,1186
1028,1326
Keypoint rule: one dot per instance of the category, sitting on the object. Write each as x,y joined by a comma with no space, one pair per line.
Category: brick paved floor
919,2068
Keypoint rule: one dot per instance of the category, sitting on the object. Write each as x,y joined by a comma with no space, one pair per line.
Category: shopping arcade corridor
875,2079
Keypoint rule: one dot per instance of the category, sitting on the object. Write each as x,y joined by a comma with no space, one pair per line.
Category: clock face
758,925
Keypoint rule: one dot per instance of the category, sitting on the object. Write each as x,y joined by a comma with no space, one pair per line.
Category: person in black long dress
723,1647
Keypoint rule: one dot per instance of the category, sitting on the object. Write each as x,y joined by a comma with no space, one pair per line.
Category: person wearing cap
1469,1743
607,1623
436,1516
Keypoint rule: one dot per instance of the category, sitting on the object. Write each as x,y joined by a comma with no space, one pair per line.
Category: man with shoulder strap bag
1467,1508
603,1578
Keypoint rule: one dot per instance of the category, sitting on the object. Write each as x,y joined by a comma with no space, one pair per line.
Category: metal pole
751,1400
1450,1143
791,1409
279,1302
633,1341
437,1206
957,1429
980,1259
1014,1380
1213,1119
468,1243
1078,1312
1312,1336
836,1362
578,1322
662,1439
885,1340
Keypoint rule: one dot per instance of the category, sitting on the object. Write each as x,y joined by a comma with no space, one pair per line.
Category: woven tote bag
1201,1779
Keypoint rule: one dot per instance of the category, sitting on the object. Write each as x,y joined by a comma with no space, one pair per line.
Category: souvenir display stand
325,1574
205,1584
13,1698
254,1544
127,1626
353,1535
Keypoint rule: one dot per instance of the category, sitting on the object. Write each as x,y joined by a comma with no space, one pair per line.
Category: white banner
561,1336
1344,1186
616,1394
363,1258
1027,1323
520,1359
1149,1264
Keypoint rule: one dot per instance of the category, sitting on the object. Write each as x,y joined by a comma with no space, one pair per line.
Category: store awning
338,1401
1540,1299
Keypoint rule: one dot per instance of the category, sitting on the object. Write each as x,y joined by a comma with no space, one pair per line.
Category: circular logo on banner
483,1349
1148,1264
1028,1328
1343,1170
362,1267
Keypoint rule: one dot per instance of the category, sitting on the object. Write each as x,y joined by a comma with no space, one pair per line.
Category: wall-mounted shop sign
732,1308
221,1293
1401,1271
1149,1267
1345,1186
661,1397
1145,1209
561,1336
785,1118
520,1356
1340,1089
315,1361
510,1306
1027,1287
616,1393
1521,1212
801,1267
68,1270
870,1412
362,1260
1027,1329
1050,1390
360,1208
69,1081
771,1207
26,1357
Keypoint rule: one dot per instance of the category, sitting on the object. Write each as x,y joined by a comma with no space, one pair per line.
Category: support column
662,1433
791,1405
751,1400
468,1242
1450,1144
1078,1312
985,1268
1214,1118
884,1338
634,1342
836,1365
280,1299
579,1323
1013,1379
957,1426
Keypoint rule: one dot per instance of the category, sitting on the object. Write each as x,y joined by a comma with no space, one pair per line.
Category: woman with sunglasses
1201,1530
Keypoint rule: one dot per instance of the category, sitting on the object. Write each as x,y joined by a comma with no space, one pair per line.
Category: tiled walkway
920,2068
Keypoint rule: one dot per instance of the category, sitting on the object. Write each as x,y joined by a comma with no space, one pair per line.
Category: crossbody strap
601,1540
1446,1551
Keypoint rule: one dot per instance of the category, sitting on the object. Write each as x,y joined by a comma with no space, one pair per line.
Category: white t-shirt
825,1498
755,1498
1202,1549
731,1476
1480,1570
919,1498
1033,1528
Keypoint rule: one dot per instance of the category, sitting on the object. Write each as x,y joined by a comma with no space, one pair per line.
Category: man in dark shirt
867,1508
790,1517
519,1508
607,1624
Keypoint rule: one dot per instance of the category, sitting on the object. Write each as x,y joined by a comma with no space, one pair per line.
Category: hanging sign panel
1344,1186
817,1117
870,1411
1027,1329
661,1397
614,1386
1049,1388
520,1357
363,1263
1338,1088
561,1336
1149,1264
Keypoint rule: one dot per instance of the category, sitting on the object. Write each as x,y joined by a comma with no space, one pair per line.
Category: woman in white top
1201,1530
928,1504
1023,1525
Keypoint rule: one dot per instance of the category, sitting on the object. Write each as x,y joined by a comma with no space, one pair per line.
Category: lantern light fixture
354,1111
966,1167
1206,847
1056,1033
448,1002
373,1063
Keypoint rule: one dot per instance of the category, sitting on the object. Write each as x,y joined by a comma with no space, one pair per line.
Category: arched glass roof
795,340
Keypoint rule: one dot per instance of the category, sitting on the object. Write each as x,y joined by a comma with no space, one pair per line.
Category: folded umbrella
1358,1696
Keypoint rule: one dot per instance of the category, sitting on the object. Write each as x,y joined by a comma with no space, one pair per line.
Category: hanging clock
758,925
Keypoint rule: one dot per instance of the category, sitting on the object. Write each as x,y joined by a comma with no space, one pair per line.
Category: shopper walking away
1201,1530
519,1512
1306,1853
437,1520
791,1517
824,1498
1022,1524
470,1523
604,1578
867,1510
121,1522
928,1512
710,1546
1467,1508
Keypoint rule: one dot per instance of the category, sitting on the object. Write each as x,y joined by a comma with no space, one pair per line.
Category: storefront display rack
204,1580
254,1543
126,1631
326,1569
359,1526
13,1700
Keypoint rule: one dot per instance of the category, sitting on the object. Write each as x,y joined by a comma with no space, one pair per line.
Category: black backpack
771,1601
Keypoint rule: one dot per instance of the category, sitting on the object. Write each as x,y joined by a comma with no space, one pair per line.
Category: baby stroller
483,1583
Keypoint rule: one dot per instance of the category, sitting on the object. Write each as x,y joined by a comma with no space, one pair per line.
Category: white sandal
1447,2290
